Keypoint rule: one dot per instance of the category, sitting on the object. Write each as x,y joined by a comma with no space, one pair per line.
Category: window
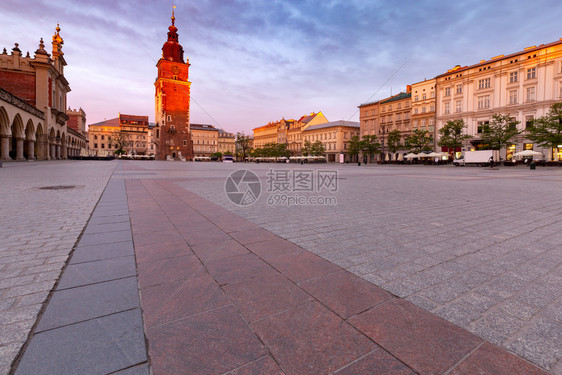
447,108
415,124
459,89
431,121
169,118
532,73
484,84
512,77
423,109
95,145
415,111
109,145
481,125
390,107
531,94
406,116
399,105
103,145
432,108
447,91
528,121
513,97
416,98
484,102
103,137
424,96
432,94
458,106
423,123
95,137
185,142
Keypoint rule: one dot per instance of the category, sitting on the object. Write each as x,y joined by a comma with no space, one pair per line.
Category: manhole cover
57,187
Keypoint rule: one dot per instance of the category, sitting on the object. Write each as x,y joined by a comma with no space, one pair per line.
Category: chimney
408,89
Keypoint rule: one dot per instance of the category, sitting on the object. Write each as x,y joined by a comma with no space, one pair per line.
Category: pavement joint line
31,333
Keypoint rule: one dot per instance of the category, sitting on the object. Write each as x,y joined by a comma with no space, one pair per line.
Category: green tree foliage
419,141
451,135
354,146
271,150
243,145
546,131
307,148
370,145
317,149
500,130
393,140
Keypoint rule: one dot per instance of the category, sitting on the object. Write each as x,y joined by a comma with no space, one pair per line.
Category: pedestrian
491,161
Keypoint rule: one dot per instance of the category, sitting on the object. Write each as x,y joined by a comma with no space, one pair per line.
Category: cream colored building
383,116
226,142
523,84
334,136
33,103
205,140
103,135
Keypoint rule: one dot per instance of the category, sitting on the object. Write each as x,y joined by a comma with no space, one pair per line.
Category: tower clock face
175,69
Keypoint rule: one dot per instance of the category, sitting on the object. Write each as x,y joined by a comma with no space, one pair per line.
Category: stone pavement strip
45,206
221,294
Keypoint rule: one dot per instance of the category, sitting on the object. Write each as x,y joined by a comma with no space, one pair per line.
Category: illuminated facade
523,85
134,130
226,142
33,122
287,132
205,140
172,100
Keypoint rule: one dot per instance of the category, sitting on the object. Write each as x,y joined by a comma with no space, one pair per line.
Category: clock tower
172,135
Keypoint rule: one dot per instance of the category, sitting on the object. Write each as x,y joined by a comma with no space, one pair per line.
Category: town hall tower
172,99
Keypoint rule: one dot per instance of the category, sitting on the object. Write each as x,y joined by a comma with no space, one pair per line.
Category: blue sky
258,61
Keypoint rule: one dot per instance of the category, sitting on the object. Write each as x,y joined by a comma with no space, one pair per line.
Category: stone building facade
172,100
226,142
205,140
334,136
33,122
523,84
383,116
103,136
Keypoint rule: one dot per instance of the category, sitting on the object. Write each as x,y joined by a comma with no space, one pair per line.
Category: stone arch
30,131
39,142
5,128
18,134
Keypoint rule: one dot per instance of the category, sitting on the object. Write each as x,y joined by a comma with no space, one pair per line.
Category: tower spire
173,15
172,50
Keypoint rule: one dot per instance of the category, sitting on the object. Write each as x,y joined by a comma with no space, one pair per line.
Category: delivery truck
479,158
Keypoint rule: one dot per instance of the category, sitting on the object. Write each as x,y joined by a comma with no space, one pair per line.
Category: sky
257,61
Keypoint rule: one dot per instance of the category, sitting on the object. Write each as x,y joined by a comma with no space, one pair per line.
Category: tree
419,141
243,144
317,149
451,135
546,131
307,148
120,142
354,146
393,141
499,131
370,145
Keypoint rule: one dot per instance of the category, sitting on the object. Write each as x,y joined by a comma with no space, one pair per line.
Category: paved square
478,247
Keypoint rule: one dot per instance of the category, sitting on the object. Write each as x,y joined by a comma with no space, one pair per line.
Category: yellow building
101,136
423,107
334,136
205,140
287,132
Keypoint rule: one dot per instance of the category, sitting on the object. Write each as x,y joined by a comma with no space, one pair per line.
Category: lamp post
382,131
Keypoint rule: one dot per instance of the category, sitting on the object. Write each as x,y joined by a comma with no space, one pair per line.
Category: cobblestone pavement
478,247
38,229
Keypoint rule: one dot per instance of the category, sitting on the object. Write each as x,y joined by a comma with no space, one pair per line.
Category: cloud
256,61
